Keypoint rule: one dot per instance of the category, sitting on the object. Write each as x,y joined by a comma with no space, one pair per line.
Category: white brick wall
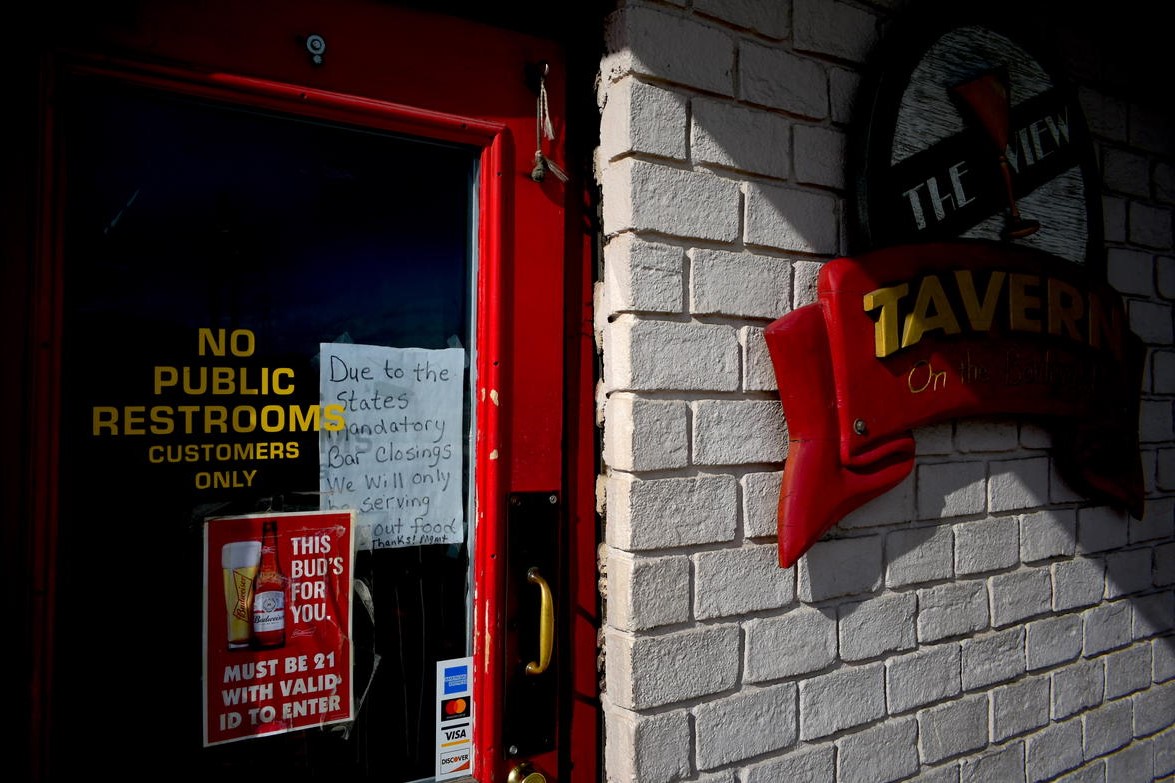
983,622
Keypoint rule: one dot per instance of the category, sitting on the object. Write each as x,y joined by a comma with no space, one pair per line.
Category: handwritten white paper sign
398,460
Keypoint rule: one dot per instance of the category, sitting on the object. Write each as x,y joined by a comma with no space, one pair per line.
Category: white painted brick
838,567
1047,534
599,321
946,773
1114,218
1153,614
1150,226
638,117
1107,627
1126,171
1158,521
642,434
1131,271
1052,640
814,764
819,156
897,505
799,642
883,752
1165,275
739,284
998,657
841,700
843,85
646,748
877,626
643,196
1133,763
1108,727
1154,709
805,276
920,678
1019,595
950,489
749,723
1105,114
1078,582
646,41
982,435
789,219
1092,773
1019,708
645,592
1060,491
1127,671
1163,656
1018,483
758,372
769,19
1053,750
1154,421
1077,687
1164,747
834,28
724,776
952,609
935,439
1100,528
1151,322
670,512
760,582
1164,178
1166,467
987,545
737,137
1148,455
1005,764
1164,565
1035,436
638,355
738,432
643,276
772,76
1151,128
1128,572
761,503
651,671
920,555
952,728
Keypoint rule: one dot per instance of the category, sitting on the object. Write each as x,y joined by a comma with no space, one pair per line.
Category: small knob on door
525,773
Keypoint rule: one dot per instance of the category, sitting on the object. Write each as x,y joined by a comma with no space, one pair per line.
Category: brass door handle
525,773
546,623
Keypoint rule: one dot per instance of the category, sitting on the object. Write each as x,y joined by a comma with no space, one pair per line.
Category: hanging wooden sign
976,285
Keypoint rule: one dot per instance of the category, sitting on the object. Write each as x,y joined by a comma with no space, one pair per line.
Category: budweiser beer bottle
269,593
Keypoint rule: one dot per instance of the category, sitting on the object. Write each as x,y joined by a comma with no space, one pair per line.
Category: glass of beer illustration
239,561
989,99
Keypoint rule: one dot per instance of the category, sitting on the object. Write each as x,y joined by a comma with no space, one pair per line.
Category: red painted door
295,258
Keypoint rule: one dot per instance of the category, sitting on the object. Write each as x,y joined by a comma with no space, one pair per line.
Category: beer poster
277,623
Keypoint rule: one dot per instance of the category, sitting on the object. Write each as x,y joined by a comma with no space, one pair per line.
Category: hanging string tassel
543,164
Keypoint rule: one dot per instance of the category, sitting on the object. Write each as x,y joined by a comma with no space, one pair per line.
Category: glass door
257,310
308,463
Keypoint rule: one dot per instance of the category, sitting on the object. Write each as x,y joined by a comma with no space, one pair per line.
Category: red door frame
533,398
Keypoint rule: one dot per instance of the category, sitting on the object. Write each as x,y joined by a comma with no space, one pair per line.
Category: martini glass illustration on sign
988,97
